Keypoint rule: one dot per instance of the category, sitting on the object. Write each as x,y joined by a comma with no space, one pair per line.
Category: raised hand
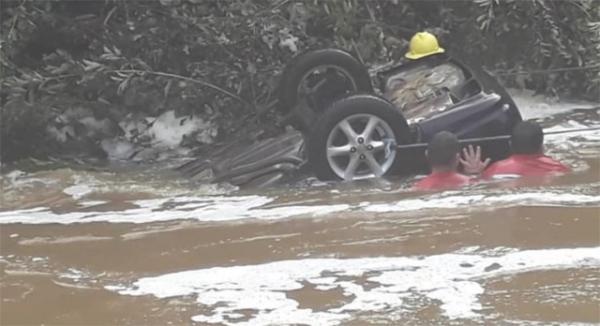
471,160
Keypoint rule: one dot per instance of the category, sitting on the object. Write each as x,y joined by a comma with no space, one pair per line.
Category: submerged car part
314,80
249,164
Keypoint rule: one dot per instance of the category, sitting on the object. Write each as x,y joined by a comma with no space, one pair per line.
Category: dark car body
485,109
482,108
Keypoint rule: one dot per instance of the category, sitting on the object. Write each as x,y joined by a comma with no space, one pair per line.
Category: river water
140,245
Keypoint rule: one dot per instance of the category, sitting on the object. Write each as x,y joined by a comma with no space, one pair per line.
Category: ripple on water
229,208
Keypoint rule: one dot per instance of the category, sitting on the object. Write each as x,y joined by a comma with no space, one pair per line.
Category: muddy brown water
140,247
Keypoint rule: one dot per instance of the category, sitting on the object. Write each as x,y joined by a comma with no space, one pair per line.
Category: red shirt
442,180
526,165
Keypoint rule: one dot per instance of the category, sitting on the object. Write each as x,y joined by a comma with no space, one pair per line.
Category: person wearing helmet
424,89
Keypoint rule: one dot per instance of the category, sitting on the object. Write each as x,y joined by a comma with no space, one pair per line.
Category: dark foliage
221,59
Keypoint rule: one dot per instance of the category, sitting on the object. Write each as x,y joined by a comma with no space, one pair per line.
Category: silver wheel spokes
356,147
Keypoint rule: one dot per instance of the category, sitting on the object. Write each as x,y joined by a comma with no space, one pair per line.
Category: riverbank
142,81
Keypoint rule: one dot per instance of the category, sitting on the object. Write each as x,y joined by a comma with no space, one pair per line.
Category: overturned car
353,123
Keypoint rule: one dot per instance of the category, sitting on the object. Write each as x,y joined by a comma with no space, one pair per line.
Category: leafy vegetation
221,59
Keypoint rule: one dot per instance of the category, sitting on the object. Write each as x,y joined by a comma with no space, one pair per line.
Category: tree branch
196,81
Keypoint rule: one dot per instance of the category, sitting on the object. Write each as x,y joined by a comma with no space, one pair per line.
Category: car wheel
355,139
320,77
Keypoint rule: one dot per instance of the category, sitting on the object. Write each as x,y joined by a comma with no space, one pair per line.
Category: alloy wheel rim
359,147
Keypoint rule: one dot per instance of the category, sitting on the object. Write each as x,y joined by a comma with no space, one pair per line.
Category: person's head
423,44
443,151
527,138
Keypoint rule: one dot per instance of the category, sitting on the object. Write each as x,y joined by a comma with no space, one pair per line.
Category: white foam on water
454,279
449,200
73,274
78,191
83,185
425,203
91,203
215,208
539,106
229,208
582,137
18,179
511,322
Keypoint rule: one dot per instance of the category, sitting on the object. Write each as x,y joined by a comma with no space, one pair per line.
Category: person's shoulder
524,165
502,163
423,184
548,159
498,167
553,164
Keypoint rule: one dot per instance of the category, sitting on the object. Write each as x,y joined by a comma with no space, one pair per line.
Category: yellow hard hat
423,44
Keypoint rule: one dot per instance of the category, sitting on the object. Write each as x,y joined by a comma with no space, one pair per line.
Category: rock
118,148
168,130
76,113
492,267
146,154
287,40
133,126
170,2
100,129
62,134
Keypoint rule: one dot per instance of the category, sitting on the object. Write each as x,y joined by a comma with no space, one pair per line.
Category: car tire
296,71
391,128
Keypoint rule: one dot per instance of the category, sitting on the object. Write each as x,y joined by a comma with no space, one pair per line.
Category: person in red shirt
528,159
443,154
